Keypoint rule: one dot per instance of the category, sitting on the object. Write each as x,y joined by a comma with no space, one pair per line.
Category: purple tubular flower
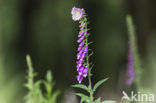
130,67
85,72
82,55
85,49
80,61
81,28
80,71
79,54
79,48
85,32
81,44
79,78
80,33
78,66
80,39
77,13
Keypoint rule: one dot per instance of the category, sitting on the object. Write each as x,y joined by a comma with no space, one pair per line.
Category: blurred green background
45,30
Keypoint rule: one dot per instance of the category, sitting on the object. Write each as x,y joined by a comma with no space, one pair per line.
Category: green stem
89,74
88,65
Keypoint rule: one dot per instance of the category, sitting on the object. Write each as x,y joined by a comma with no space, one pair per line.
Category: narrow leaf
53,99
84,98
81,86
91,66
81,95
90,54
90,43
99,83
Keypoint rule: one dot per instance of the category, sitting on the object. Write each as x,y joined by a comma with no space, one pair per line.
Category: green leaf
28,86
81,95
99,83
84,98
91,54
108,101
81,86
54,97
98,100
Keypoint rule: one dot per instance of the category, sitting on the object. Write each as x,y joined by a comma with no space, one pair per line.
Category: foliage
35,93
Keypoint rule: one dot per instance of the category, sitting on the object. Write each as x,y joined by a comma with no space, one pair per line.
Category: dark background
45,30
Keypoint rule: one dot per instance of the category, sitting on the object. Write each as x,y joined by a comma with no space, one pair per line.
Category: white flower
77,13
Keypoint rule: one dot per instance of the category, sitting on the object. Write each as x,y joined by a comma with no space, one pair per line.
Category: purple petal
79,48
80,39
78,66
81,44
130,67
85,49
82,55
77,13
82,28
85,32
80,71
85,72
79,54
80,33
80,61
79,78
